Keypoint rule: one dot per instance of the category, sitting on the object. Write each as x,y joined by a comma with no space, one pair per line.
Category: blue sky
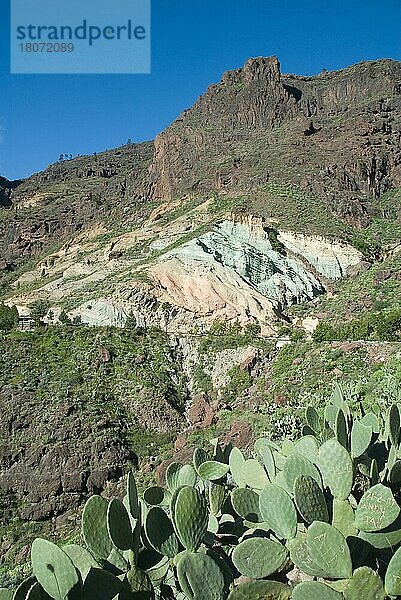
193,43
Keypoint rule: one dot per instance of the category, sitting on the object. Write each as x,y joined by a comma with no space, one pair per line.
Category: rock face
74,407
335,135
257,124
240,271
69,196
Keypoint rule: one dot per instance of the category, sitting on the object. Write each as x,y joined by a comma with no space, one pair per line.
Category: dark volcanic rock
251,127
56,456
336,135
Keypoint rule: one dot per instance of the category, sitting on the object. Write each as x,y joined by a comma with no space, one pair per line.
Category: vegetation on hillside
316,518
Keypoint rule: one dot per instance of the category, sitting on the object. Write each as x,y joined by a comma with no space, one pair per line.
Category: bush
324,332
8,317
383,326
327,504
39,310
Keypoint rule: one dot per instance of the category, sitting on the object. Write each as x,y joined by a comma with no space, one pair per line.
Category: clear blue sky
194,41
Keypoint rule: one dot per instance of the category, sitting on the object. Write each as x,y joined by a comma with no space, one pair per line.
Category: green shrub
384,326
39,309
8,317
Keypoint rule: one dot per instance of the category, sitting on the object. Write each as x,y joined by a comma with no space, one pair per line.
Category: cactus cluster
314,519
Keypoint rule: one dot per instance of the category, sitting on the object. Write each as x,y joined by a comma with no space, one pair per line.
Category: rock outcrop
257,124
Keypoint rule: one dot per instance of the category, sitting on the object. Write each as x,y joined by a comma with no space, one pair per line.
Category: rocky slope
252,200
272,204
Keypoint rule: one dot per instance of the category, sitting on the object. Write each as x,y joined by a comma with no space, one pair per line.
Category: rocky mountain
269,210
254,199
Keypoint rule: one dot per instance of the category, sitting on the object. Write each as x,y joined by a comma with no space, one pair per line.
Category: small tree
131,322
39,309
64,319
8,317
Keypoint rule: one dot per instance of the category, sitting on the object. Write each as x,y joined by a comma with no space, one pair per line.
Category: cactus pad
94,527
217,494
314,590
82,560
261,590
200,577
364,583
300,556
329,550
55,571
336,466
212,470
296,465
377,509
160,532
246,504
310,500
236,463
191,517
361,436
392,580
258,557
278,511
344,518
119,525
254,474
101,585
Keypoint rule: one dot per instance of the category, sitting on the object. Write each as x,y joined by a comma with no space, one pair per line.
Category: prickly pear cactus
364,583
190,518
200,577
261,590
258,557
55,571
311,590
336,466
310,500
160,532
329,550
278,511
309,508
94,527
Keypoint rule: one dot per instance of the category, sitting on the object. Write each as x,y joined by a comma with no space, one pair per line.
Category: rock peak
255,69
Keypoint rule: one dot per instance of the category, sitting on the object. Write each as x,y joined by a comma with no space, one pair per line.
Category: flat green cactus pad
261,590
336,466
314,590
278,511
296,465
119,525
365,584
392,580
200,577
94,527
160,532
310,500
212,470
344,518
246,504
258,557
55,571
301,557
254,475
101,585
377,509
329,550
191,517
